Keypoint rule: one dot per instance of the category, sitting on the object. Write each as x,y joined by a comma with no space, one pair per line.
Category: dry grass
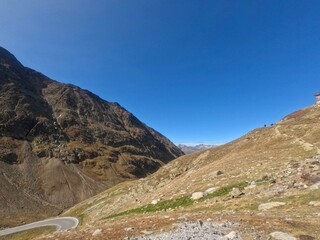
260,153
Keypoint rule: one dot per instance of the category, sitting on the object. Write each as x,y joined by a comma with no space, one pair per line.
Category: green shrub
160,206
179,202
225,190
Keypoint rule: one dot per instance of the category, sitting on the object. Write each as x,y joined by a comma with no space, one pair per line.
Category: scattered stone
282,236
310,178
252,185
146,232
317,214
183,217
197,195
211,190
267,176
155,201
267,206
232,235
97,232
300,185
128,229
315,203
194,230
315,186
235,193
214,174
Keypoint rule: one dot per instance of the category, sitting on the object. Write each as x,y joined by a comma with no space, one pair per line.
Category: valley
60,144
266,183
65,151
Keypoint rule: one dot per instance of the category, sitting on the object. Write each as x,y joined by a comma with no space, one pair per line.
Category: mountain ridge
188,148
62,144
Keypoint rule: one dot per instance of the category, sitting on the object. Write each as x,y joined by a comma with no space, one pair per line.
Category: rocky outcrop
194,230
60,144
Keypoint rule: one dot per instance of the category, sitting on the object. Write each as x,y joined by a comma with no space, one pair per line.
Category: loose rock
197,195
282,236
194,230
235,193
270,205
315,186
155,201
211,190
214,174
232,235
97,232
146,232
315,203
252,185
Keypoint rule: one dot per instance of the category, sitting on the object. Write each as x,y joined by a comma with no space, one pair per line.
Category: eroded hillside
60,144
266,181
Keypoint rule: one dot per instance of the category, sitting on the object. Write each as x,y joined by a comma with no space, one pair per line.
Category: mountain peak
7,59
65,144
190,148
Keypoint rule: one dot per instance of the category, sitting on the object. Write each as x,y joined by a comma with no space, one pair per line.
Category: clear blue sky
195,70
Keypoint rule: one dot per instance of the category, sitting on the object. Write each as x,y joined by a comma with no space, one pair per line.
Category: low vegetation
161,206
226,190
179,202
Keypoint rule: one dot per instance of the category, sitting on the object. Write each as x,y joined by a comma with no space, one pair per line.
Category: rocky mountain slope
196,148
264,185
60,144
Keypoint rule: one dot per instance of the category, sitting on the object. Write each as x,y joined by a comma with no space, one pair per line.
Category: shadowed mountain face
60,144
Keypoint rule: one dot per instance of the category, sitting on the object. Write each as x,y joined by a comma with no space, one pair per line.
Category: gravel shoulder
195,230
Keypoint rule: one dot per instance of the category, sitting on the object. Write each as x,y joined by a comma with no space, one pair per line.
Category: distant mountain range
195,148
60,144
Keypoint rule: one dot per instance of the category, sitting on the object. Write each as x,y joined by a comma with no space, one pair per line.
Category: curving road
61,224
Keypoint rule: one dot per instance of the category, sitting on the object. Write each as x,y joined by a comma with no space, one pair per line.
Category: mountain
264,185
60,144
196,148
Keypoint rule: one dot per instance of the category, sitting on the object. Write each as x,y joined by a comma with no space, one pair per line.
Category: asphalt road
61,224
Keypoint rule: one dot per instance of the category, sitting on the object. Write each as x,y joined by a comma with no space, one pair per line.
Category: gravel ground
196,230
